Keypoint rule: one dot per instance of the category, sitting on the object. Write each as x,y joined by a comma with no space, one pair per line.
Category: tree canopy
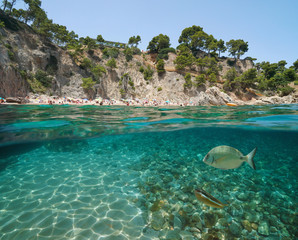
237,48
134,41
37,18
197,40
187,33
158,43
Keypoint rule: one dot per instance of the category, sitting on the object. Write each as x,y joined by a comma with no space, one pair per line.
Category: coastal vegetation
198,57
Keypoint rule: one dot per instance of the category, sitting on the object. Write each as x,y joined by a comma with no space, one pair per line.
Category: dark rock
14,100
157,220
235,228
242,196
210,219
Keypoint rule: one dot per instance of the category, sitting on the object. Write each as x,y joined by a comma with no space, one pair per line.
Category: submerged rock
242,196
235,228
196,218
252,217
213,234
173,235
157,221
254,226
263,228
247,225
177,222
185,235
188,208
210,219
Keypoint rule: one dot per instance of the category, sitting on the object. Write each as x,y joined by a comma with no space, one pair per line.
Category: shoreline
148,105
100,102
145,102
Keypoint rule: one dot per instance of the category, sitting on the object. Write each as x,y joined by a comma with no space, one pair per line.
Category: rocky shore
21,59
211,97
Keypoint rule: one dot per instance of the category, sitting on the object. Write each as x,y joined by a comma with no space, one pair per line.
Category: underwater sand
71,172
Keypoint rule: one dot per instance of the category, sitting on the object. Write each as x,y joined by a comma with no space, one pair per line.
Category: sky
269,26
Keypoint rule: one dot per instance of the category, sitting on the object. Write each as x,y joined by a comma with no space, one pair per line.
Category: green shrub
188,82
11,55
86,63
227,86
23,74
112,63
231,74
160,66
8,46
43,78
159,89
122,92
200,79
163,53
148,73
141,69
248,78
36,86
110,53
88,83
284,91
10,52
212,78
97,71
131,83
136,51
184,58
128,54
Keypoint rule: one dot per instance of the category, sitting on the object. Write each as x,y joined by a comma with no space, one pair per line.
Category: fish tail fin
250,158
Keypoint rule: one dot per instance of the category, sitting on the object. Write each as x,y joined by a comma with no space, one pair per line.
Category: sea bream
226,157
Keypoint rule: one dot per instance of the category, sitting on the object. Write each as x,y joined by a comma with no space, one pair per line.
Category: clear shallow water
95,172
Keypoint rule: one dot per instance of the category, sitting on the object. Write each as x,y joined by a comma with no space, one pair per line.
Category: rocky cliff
23,53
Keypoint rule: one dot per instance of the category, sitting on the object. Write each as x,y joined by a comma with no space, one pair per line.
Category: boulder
157,221
263,228
18,100
235,228
210,219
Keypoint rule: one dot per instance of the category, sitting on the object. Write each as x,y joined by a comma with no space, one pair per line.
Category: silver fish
226,157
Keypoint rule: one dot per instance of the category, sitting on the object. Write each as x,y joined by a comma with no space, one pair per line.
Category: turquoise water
112,172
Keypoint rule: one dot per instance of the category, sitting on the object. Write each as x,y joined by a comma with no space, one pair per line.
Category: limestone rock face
24,52
11,83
